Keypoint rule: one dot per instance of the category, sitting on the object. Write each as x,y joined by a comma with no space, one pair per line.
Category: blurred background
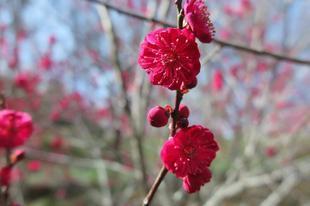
72,64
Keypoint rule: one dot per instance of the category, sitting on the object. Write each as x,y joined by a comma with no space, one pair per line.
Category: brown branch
216,41
179,96
87,163
109,27
163,171
225,191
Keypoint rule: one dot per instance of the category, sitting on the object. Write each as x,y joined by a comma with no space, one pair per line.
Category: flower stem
180,13
163,171
179,96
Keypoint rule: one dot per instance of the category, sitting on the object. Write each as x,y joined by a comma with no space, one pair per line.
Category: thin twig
179,96
217,41
108,25
230,190
282,191
163,172
62,159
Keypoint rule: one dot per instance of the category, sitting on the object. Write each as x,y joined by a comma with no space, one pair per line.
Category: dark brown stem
178,3
175,113
163,172
7,156
160,177
179,96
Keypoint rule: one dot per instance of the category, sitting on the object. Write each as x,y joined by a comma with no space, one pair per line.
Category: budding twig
163,171
179,96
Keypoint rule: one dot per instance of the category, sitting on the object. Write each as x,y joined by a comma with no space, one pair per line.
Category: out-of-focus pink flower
5,176
52,40
3,27
27,81
284,105
34,166
3,47
46,62
103,113
246,5
270,151
218,81
190,151
21,34
15,128
262,67
14,59
234,71
57,143
225,34
68,106
130,4
282,79
193,183
55,115
198,18
170,57
17,156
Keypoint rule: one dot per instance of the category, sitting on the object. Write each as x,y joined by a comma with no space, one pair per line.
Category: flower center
189,150
169,58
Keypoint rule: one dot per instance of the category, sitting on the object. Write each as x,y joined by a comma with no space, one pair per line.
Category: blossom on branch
198,18
190,151
15,128
171,58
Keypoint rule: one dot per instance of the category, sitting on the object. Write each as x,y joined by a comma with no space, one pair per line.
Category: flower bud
183,111
158,116
17,156
183,123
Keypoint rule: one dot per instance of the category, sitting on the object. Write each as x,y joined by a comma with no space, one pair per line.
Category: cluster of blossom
15,129
170,56
13,57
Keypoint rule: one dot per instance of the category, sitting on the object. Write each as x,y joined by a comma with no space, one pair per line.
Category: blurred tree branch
108,26
300,170
217,41
62,159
